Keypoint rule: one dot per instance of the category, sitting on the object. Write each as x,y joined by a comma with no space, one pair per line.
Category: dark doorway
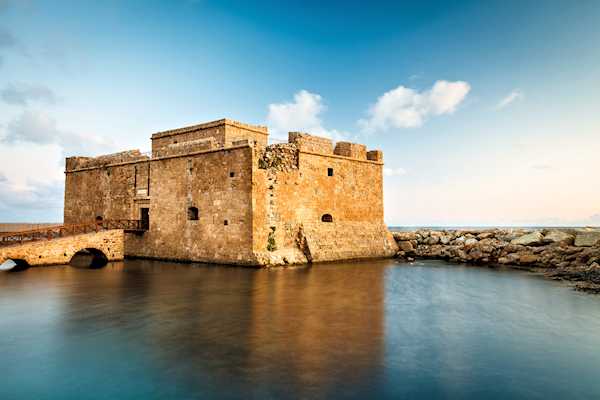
145,218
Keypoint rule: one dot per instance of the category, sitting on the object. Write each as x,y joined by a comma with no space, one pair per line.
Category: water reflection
287,329
143,329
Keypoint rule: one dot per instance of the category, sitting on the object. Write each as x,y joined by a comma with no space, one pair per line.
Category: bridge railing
58,231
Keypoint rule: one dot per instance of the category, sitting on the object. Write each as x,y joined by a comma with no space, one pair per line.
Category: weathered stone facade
216,192
61,250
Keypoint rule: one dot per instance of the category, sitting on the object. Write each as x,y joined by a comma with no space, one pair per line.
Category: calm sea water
153,330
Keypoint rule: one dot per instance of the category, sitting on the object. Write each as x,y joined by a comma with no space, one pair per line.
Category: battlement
320,145
225,133
74,163
183,148
211,124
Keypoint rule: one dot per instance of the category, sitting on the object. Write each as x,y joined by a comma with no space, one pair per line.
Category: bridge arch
89,257
14,264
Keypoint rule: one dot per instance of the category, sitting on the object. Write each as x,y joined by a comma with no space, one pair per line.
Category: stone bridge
101,246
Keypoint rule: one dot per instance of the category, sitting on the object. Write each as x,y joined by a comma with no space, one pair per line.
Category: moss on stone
271,245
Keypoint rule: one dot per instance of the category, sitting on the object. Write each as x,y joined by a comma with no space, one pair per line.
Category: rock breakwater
562,254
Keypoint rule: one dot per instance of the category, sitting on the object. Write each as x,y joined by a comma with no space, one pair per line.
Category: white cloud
403,107
301,115
394,171
39,128
23,93
513,96
31,182
32,194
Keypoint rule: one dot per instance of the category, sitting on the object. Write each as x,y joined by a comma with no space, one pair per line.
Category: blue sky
487,112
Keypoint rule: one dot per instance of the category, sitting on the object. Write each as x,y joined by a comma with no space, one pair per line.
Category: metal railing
58,231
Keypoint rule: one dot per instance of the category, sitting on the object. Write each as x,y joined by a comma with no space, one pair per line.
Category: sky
488,112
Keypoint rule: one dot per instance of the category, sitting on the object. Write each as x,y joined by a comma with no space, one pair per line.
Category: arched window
326,218
193,214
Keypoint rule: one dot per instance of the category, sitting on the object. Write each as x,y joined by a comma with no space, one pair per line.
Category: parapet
310,143
211,124
224,132
353,150
74,163
320,145
182,148
375,155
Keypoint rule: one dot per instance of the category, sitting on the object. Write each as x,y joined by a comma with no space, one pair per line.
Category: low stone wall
563,254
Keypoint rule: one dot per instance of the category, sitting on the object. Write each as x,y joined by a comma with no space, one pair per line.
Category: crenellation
74,163
352,150
375,155
311,143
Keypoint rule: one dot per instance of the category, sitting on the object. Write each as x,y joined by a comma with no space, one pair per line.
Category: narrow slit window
329,171
193,214
327,218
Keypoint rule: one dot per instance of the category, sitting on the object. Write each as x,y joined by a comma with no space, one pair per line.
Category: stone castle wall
223,132
297,184
291,203
219,185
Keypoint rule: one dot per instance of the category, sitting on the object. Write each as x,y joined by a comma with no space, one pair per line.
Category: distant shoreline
22,226
394,228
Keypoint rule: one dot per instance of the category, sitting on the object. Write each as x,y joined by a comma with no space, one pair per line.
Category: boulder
556,236
512,258
594,267
528,258
587,238
530,239
432,240
471,242
485,235
405,235
459,240
406,246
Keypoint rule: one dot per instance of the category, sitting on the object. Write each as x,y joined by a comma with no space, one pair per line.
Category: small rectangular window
225,222
329,171
193,213
231,174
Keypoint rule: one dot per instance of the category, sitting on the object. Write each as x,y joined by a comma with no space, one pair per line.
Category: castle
217,192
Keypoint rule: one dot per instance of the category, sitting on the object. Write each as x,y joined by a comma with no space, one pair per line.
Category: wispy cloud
403,107
541,167
394,171
302,114
38,195
24,93
515,95
39,128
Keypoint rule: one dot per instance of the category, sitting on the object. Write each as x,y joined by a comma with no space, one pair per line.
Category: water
150,330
